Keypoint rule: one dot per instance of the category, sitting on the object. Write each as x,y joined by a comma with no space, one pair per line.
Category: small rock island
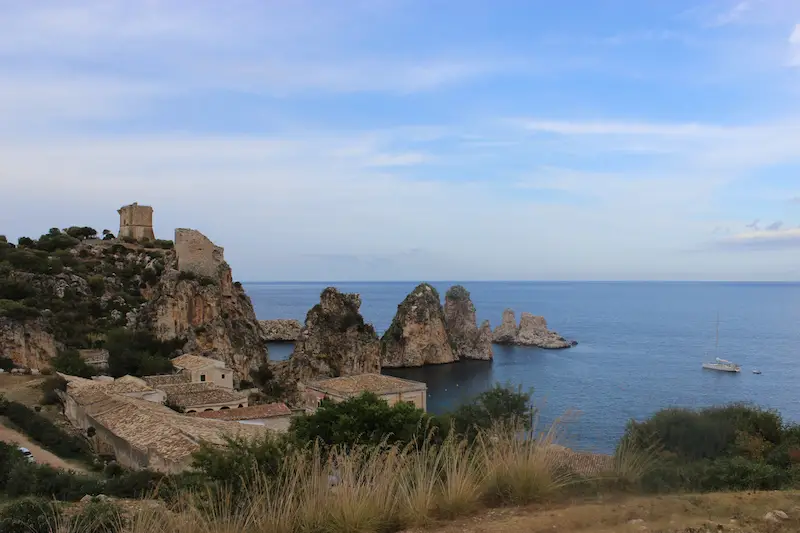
532,331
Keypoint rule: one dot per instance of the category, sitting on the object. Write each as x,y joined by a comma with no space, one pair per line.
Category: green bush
29,515
6,363
500,404
50,388
56,240
365,419
15,290
99,517
70,362
139,353
165,244
45,432
17,311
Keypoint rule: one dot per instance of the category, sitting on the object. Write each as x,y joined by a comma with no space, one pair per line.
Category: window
223,376
202,377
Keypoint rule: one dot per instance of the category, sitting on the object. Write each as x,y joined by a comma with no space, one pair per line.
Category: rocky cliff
214,315
467,341
532,331
281,330
335,340
417,335
70,290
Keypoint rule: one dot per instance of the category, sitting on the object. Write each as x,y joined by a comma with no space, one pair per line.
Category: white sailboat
721,365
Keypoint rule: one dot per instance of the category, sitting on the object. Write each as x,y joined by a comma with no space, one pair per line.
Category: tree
498,404
26,241
81,233
70,362
139,353
365,419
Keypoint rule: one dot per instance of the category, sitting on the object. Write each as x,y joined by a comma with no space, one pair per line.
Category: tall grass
370,489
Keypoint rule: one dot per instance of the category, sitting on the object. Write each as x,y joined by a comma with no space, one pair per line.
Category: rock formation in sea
467,341
335,340
281,330
532,331
195,299
417,335
506,332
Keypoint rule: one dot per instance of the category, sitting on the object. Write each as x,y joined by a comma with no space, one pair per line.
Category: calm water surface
641,346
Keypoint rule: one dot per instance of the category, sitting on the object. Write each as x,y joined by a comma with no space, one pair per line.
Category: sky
416,139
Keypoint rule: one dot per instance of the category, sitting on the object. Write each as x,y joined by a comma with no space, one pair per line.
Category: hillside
142,301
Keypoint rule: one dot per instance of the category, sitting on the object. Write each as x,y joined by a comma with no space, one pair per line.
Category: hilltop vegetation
80,291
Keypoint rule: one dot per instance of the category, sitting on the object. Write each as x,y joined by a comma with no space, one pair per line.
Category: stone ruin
136,222
197,254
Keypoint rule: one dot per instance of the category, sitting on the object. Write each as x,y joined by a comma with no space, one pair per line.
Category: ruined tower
136,221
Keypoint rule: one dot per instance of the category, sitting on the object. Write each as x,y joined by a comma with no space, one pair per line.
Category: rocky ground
759,512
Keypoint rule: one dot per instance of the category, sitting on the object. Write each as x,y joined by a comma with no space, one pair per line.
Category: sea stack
335,341
417,335
532,331
466,339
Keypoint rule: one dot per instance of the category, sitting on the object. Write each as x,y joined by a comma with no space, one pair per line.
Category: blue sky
416,139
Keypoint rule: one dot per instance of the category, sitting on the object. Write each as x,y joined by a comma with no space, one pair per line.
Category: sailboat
721,365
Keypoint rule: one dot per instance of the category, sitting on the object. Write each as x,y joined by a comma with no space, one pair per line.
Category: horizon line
763,282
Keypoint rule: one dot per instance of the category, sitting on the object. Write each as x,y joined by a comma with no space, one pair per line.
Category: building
140,433
389,388
136,222
200,397
201,369
95,358
274,416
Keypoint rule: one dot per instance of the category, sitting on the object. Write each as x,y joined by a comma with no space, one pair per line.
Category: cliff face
467,341
213,315
417,335
335,340
532,331
28,344
281,330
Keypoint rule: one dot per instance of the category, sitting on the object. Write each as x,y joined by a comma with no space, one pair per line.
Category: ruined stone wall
196,253
136,221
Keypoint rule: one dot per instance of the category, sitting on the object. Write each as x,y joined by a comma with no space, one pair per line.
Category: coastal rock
27,343
195,299
532,331
417,335
506,332
281,330
335,341
467,341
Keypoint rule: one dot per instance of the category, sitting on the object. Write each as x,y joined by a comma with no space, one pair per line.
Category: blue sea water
641,346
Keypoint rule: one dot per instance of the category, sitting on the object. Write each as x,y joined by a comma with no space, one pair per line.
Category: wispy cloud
767,239
735,13
794,47
775,226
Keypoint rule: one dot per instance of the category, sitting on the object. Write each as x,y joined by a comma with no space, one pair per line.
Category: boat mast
716,345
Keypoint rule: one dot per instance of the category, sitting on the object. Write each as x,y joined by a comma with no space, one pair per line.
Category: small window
202,377
223,376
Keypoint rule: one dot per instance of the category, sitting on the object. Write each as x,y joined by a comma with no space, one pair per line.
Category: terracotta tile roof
86,391
376,383
167,379
153,427
195,394
195,362
252,412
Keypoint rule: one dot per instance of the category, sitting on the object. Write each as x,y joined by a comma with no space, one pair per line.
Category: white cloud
774,239
735,13
622,128
794,47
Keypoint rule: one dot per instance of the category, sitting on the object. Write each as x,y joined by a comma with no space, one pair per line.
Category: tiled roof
167,379
151,426
376,383
86,391
195,394
195,362
252,412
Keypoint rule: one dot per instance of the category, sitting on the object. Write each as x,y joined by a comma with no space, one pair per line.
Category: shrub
17,311
98,517
165,244
50,388
29,515
500,404
56,240
26,241
139,353
45,432
187,275
81,233
70,362
6,363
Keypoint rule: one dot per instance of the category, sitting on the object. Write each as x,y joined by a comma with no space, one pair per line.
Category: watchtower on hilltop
136,221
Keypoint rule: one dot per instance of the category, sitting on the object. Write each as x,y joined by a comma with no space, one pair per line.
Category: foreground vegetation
363,466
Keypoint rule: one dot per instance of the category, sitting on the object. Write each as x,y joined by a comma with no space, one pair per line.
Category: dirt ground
732,512
40,454
21,388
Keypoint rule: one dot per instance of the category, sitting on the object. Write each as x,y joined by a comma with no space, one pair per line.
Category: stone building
201,369
136,222
201,397
273,416
388,388
197,254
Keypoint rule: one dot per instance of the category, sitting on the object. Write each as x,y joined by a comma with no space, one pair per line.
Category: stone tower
136,221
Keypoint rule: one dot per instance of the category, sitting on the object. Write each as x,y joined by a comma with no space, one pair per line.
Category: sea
641,347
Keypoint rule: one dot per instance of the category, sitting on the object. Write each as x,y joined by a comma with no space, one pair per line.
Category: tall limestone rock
196,299
335,341
506,332
29,344
417,335
532,331
467,340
